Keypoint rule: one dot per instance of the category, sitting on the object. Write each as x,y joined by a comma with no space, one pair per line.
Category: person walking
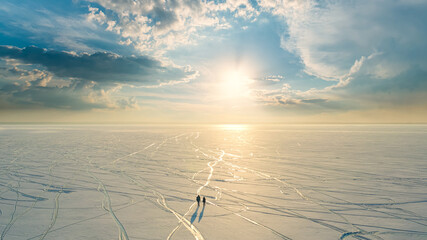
198,200
204,201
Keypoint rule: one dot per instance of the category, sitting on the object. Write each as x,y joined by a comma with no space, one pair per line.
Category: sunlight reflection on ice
234,127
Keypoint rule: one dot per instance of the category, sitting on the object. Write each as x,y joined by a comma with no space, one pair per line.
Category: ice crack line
129,155
54,216
194,231
107,206
179,225
211,166
9,225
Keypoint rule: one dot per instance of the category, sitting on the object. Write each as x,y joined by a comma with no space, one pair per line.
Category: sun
234,84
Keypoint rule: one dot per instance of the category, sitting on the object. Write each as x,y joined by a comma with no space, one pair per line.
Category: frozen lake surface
261,182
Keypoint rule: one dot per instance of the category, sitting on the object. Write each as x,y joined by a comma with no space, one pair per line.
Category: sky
191,61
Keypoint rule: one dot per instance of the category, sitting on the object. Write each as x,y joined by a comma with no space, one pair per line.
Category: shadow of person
201,213
194,215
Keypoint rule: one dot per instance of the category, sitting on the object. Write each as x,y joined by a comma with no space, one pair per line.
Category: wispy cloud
28,22
330,36
361,46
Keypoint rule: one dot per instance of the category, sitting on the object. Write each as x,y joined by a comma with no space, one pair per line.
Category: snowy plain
260,181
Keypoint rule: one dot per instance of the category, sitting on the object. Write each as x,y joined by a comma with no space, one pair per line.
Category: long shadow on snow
194,215
201,213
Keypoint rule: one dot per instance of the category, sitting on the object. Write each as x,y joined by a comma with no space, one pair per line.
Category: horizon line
213,123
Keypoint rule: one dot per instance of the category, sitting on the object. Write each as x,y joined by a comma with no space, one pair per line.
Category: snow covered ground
261,182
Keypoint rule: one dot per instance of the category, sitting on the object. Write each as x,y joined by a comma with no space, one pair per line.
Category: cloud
366,48
32,96
407,88
274,78
129,103
156,26
100,67
61,25
286,96
29,89
314,100
330,36
48,97
35,77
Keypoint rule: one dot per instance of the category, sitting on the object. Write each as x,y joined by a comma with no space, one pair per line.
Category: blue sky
213,61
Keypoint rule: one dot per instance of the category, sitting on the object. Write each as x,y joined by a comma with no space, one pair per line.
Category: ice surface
260,181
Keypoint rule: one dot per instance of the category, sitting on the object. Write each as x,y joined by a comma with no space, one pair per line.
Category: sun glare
234,84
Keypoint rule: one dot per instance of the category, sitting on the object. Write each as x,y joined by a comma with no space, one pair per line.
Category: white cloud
368,42
274,78
331,37
96,15
157,26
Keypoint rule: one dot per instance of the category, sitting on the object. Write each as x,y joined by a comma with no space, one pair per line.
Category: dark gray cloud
52,97
101,67
314,100
32,96
27,89
285,101
40,78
